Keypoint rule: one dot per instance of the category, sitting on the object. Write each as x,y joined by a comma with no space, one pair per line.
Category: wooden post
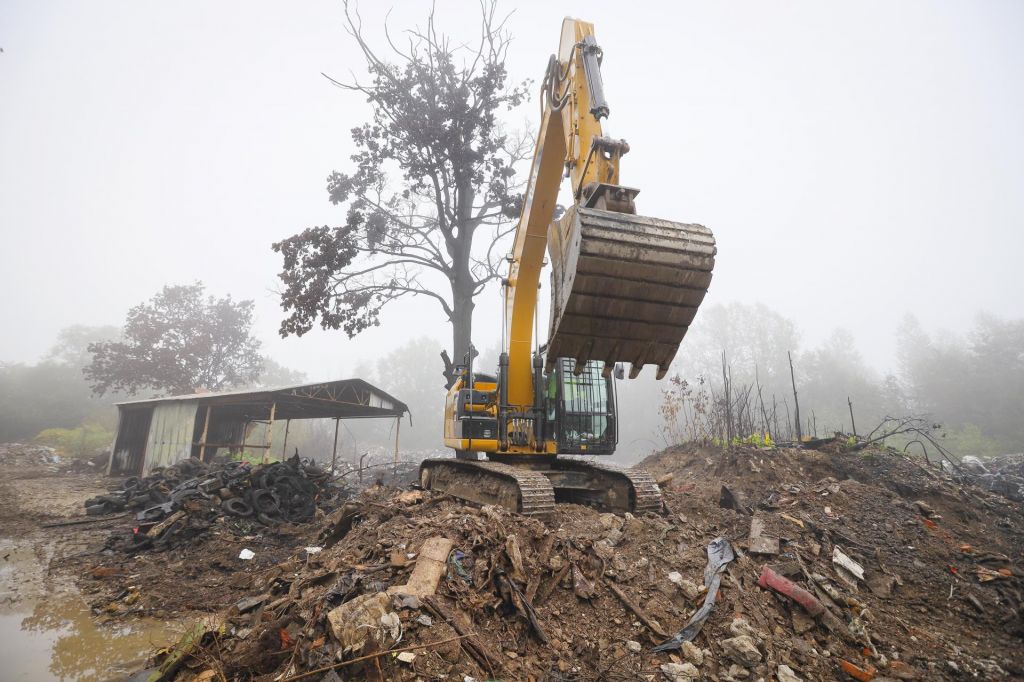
796,401
117,432
334,454
270,432
853,424
284,445
398,428
245,429
202,439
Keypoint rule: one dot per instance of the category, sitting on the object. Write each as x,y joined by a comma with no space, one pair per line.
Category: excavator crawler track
533,488
517,489
646,493
613,488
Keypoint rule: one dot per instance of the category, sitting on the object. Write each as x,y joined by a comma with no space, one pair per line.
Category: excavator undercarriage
533,488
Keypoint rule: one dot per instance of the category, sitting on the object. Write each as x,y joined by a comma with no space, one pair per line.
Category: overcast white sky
855,160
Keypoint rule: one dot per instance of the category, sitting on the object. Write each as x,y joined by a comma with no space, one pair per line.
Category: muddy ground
48,630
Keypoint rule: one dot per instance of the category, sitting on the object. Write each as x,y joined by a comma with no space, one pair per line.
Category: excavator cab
580,409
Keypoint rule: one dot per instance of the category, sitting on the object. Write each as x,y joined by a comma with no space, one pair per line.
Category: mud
47,629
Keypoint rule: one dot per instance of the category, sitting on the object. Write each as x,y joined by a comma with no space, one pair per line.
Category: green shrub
80,442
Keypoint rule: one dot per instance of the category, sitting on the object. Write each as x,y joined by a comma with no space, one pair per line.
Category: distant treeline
971,383
53,393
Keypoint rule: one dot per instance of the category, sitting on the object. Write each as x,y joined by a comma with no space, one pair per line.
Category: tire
268,520
237,507
265,502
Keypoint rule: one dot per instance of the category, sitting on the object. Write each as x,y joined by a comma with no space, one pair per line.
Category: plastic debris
771,580
356,620
856,672
455,561
246,554
719,555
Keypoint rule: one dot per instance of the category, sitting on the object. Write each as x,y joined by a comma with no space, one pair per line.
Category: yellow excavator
624,289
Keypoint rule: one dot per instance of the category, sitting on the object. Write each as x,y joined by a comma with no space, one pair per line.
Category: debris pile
22,455
770,563
1003,475
176,503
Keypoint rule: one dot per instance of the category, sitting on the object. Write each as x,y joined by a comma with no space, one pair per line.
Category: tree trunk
462,320
796,401
462,331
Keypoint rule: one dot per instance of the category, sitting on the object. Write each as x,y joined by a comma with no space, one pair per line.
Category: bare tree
432,192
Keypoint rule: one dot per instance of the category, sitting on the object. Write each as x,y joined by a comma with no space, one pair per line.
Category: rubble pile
1003,475
767,564
27,455
174,504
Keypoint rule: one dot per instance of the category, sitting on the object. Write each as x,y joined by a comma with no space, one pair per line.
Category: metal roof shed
161,431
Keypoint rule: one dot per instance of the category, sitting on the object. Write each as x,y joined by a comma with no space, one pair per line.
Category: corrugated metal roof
340,398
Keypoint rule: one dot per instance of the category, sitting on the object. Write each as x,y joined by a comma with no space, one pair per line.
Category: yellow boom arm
570,135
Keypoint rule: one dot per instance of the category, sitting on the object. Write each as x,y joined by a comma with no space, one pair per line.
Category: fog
857,161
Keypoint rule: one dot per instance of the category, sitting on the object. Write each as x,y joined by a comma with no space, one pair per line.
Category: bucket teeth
625,288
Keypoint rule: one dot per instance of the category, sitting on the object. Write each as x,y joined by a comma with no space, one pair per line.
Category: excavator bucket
625,288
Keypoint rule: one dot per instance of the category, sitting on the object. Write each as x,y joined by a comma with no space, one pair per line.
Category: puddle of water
48,633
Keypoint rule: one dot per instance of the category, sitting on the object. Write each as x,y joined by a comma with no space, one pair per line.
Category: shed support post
398,428
270,433
202,439
284,445
117,432
334,453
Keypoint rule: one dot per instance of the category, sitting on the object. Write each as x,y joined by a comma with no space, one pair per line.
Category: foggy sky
856,161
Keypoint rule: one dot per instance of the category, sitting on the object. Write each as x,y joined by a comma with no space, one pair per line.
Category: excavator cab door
581,409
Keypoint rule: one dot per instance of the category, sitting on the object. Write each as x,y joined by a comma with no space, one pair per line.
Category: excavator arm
624,288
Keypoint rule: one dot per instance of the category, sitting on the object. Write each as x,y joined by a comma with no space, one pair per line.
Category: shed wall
171,434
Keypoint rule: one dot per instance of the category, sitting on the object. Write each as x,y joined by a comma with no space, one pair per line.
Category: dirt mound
900,572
